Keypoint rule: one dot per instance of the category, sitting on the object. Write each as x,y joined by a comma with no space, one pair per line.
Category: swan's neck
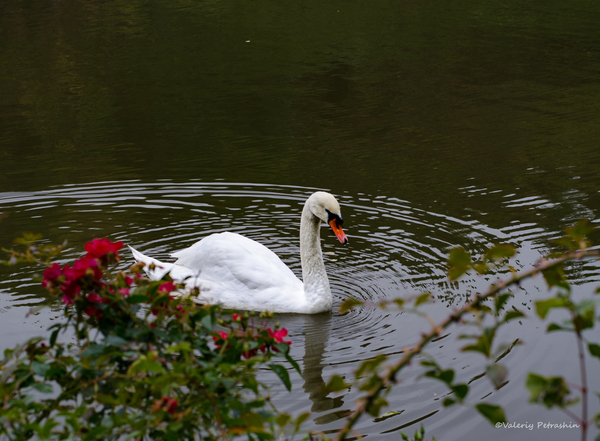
316,285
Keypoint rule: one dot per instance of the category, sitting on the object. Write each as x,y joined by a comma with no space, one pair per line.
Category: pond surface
463,124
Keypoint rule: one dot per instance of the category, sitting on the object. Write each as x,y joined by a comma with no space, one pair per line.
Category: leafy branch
378,384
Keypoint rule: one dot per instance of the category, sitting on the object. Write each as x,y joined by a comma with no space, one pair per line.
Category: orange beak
337,230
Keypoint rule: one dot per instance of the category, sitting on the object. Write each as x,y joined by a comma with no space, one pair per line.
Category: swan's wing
243,272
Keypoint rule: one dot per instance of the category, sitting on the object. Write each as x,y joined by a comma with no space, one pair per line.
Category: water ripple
396,249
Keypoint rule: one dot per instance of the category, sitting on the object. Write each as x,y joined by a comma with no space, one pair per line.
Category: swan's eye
331,216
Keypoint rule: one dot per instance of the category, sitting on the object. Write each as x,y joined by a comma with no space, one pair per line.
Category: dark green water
436,123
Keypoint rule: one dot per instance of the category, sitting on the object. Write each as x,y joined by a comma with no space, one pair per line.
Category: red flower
92,311
81,267
278,335
171,405
51,274
71,290
67,299
103,249
222,336
94,298
249,354
167,404
236,317
167,287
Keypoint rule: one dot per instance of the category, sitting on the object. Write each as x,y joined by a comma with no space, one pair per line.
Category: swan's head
326,207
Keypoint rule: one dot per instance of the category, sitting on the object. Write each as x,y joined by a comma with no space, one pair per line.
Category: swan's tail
178,273
160,268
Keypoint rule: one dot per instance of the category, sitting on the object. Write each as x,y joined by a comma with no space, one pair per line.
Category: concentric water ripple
396,249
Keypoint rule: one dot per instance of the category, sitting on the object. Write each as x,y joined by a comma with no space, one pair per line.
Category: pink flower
236,317
124,292
68,300
278,335
103,249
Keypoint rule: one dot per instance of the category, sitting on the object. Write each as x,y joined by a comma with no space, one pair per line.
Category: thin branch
584,389
571,415
388,378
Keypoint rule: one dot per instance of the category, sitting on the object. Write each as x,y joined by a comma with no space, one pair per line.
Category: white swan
239,273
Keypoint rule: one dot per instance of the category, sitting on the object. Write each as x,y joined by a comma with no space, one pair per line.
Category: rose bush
132,361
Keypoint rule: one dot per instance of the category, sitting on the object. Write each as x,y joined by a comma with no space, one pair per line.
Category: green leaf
44,388
423,298
335,384
555,276
301,418
293,363
27,239
282,419
494,414
500,252
210,321
511,315
443,375
584,315
555,327
282,373
283,348
145,365
501,301
580,231
483,344
594,350
566,242
448,402
53,337
497,373
549,391
459,261
94,433
461,391
178,348
542,307
374,409
400,302
114,340
370,365
93,350
137,298
349,304
40,368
